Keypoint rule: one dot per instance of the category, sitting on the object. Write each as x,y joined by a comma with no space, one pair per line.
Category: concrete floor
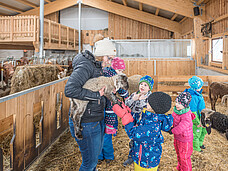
202,71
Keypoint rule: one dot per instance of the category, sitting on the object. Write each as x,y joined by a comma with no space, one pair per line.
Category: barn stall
126,22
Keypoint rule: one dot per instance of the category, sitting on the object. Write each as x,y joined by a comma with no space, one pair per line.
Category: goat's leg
114,99
214,102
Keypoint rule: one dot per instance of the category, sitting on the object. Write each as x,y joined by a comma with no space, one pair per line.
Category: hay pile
27,76
134,83
5,146
65,154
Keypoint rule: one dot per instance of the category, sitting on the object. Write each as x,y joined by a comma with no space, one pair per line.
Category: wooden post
59,35
49,34
74,38
198,39
11,30
67,37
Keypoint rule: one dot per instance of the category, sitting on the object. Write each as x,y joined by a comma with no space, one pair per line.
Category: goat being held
78,107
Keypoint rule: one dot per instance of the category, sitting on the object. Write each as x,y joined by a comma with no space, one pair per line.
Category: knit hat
104,47
118,63
160,102
195,82
148,80
184,98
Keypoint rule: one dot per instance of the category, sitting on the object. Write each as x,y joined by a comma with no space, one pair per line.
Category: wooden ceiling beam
113,8
3,14
180,7
140,6
124,2
174,16
10,7
135,14
183,19
27,3
157,11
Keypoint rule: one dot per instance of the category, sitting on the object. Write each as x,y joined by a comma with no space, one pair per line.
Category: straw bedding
27,76
64,154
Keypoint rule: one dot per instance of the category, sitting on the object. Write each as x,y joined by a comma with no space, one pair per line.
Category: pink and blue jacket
182,126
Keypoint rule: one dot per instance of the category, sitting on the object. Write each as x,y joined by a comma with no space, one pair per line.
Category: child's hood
193,92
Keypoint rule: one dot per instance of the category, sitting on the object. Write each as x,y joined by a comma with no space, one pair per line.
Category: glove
123,112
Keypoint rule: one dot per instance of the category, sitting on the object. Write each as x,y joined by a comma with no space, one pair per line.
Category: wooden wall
159,67
214,10
125,28
187,29
53,16
22,110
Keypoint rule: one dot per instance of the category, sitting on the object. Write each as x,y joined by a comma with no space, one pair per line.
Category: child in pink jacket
182,130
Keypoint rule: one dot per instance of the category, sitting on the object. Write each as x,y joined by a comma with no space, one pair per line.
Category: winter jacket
182,126
197,104
86,67
110,116
148,138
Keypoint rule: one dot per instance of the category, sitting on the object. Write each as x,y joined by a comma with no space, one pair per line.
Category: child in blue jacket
147,136
197,104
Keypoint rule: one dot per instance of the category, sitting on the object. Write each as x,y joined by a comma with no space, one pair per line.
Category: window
217,49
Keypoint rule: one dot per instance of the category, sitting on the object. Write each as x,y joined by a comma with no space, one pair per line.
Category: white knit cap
105,47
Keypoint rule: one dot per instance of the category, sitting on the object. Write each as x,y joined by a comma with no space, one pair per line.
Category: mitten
127,118
123,112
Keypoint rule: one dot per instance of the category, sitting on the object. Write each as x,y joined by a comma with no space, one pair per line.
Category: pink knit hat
118,63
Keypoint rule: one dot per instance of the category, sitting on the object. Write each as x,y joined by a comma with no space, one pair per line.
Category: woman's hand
101,91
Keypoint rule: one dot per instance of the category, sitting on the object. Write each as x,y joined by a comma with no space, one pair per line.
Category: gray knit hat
160,102
105,47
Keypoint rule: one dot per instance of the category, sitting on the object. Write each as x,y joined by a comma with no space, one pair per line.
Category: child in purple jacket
182,130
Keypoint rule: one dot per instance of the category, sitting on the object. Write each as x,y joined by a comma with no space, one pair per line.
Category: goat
217,90
78,107
212,119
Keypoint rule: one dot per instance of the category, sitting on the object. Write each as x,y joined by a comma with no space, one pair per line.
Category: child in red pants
182,130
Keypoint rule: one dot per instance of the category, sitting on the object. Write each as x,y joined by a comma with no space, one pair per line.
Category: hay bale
26,77
134,83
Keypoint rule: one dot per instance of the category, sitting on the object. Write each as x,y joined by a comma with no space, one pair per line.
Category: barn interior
170,40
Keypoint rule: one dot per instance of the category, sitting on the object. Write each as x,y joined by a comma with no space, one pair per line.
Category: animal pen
34,118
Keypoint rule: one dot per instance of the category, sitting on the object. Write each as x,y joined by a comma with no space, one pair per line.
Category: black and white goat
211,119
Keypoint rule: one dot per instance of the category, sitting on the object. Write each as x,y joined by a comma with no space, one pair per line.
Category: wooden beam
113,8
176,6
174,16
27,3
10,7
199,2
124,2
140,6
3,14
135,14
157,11
183,19
220,18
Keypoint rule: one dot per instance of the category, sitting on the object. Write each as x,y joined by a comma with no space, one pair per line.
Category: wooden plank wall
187,29
124,28
163,67
53,16
215,9
23,107
88,35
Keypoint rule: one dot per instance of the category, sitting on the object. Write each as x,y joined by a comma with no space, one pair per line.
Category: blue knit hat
148,80
195,83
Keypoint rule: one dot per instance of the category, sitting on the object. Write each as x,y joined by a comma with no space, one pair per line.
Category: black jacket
85,67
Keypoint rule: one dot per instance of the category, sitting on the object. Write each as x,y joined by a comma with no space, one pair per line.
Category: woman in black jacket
86,67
